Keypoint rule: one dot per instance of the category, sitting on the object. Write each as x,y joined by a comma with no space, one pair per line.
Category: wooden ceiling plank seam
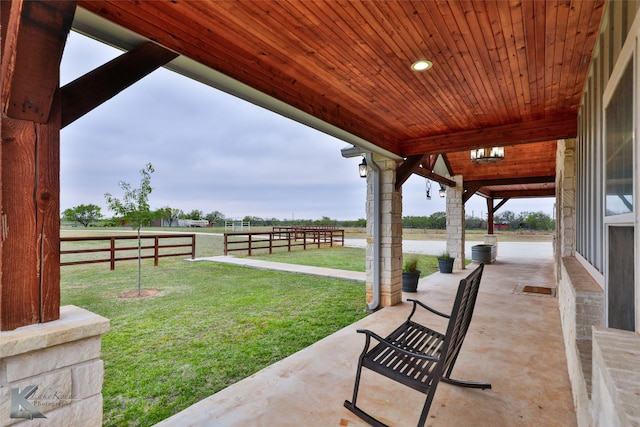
507,13
485,97
591,25
494,12
389,119
442,74
441,105
433,80
267,56
518,63
538,56
345,32
477,34
341,76
568,43
556,50
577,60
258,80
461,81
527,39
490,40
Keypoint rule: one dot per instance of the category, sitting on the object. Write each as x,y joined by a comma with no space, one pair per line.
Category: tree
134,207
215,217
195,214
171,215
84,214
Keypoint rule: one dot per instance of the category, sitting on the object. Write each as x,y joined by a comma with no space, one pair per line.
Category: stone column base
62,359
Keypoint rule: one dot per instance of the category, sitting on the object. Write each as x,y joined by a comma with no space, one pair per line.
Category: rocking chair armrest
387,343
425,306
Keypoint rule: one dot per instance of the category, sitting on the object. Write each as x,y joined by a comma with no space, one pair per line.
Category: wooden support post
112,253
193,246
489,215
156,251
30,291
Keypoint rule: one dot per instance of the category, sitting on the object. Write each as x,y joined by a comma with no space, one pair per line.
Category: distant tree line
511,221
86,215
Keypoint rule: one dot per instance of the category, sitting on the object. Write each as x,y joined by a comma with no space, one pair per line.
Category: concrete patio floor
515,343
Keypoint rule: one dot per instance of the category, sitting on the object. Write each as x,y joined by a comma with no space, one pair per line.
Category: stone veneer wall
616,375
390,235
61,358
581,304
456,223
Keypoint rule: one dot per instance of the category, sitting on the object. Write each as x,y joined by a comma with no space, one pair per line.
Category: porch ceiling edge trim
114,35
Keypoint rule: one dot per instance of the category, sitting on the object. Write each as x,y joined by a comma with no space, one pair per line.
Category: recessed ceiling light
421,65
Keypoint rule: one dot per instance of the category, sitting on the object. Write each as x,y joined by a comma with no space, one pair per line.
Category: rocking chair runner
417,356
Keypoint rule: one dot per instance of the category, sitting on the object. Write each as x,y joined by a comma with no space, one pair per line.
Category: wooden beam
468,193
511,134
540,192
489,215
434,176
501,204
94,88
511,181
405,170
34,39
30,221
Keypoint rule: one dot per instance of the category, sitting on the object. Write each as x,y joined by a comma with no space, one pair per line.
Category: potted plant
445,262
410,275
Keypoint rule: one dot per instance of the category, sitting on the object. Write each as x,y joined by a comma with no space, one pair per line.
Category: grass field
207,325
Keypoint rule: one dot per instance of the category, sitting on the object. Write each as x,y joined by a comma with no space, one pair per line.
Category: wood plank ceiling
504,72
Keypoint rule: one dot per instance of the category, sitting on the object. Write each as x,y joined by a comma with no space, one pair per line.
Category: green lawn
210,326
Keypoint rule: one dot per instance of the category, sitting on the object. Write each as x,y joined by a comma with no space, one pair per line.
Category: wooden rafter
404,171
32,46
510,181
94,88
511,134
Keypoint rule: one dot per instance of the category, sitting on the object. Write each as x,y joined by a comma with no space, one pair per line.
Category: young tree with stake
134,207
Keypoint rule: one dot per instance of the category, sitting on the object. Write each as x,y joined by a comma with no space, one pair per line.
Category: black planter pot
410,281
445,265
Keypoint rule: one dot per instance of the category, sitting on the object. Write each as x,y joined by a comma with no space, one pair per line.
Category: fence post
250,243
193,246
304,240
289,241
113,253
225,244
270,243
155,251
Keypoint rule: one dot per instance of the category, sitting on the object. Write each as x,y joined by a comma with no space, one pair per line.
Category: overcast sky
214,152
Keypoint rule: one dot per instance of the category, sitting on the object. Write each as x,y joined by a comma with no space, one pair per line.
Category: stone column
456,223
390,234
566,198
62,359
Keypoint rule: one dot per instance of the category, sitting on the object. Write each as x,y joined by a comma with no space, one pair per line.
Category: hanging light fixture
362,168
442,191
487,155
